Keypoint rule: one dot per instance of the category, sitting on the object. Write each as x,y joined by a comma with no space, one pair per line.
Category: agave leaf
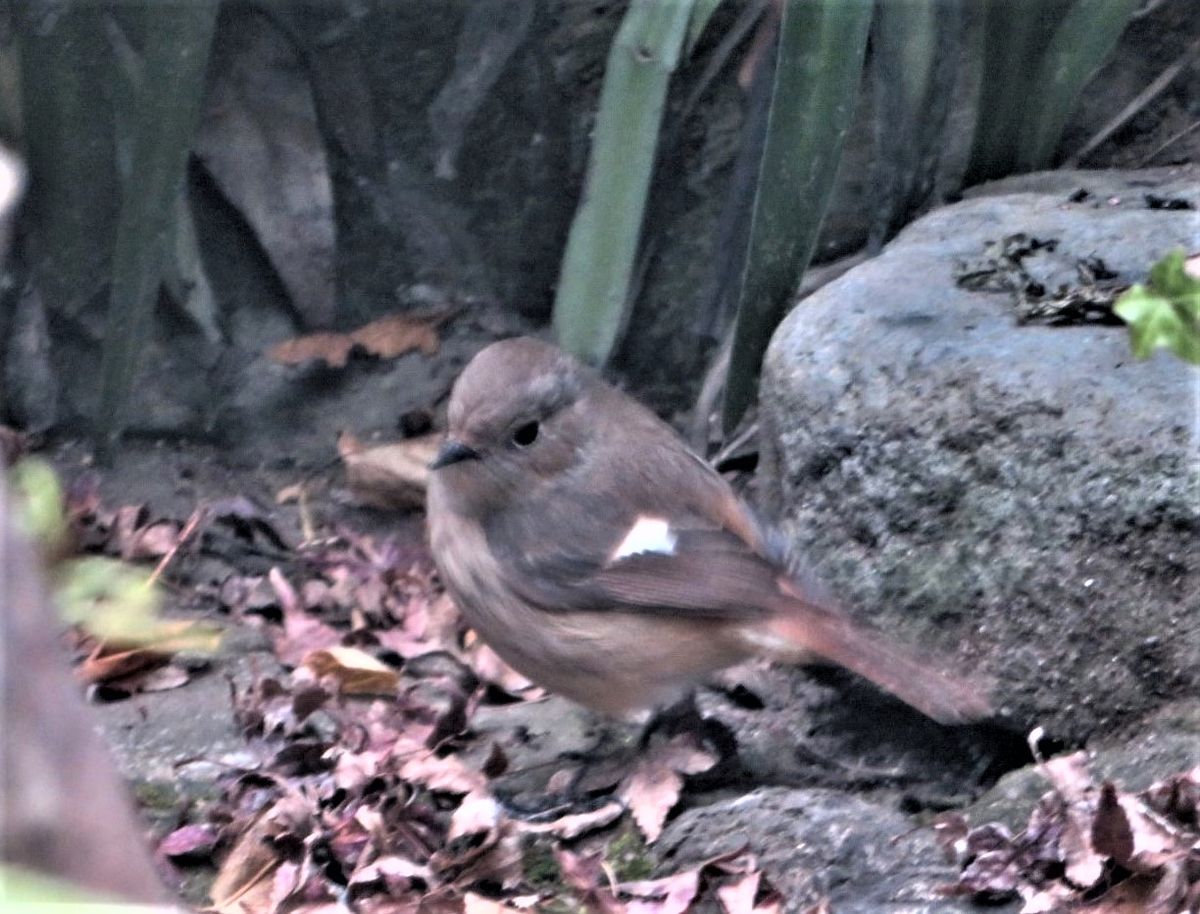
1015,35
592,303
701,14
177,41
1081,43
817,75
68,128
914,64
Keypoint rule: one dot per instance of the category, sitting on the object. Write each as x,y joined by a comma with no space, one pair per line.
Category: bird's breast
611,661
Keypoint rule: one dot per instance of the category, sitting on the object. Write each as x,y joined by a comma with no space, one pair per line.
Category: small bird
604,560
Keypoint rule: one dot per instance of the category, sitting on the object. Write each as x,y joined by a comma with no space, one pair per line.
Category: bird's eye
526,434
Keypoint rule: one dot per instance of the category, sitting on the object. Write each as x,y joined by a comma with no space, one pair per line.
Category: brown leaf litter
362,784
1089,847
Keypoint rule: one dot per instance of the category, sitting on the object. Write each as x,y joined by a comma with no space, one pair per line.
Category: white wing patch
648,534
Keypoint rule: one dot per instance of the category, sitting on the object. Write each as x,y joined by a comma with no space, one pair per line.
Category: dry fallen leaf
163,678
397,334
478,904
245,880
478,812
652,788
585,874
357,672
388,476
105,665
670,895
738,896
490,668
1134,848
190,842
385,338
573,825
449,774
1070,778
289,494
331,348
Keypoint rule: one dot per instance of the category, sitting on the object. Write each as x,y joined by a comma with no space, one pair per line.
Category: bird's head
515,420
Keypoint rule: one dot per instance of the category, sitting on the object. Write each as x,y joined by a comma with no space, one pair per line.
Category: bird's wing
683,568
605,555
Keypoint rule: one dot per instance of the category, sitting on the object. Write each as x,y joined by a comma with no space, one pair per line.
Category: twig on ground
199,516
736,443
1169,141
1126,114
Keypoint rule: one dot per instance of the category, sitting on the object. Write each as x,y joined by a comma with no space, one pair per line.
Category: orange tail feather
803,629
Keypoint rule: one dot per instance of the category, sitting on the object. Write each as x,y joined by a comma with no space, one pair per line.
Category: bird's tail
799,629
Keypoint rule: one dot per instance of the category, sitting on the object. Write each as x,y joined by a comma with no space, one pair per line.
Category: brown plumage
603,559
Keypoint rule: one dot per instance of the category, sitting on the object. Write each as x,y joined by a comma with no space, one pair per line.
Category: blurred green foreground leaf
114,601
1165,312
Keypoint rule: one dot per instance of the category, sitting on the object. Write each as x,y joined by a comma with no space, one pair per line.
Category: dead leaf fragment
478,904
386,338
669,895
652,788
356,671
191,842
389,476
449,774
331,348
245,880
585,874
571,826
164,678
397,334
103,665
738,896
1070,778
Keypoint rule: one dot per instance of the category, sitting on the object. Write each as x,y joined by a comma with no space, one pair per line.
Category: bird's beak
453,451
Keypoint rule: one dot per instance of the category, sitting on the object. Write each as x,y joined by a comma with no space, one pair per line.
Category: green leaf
67,112
701,13
593,300
1080,45
1164,313
39,503
177,40
118,602
915,49
817,74
1015,35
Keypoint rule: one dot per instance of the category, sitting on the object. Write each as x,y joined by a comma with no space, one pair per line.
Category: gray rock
1105,188
1024,497
815,844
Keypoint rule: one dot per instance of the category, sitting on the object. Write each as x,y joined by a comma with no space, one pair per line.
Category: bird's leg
584,776
684,717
